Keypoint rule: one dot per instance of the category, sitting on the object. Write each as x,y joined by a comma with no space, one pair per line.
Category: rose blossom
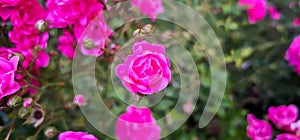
292,54
62,13
66,44
283,116
146,70
26,15
5,12
7,7
8,68
296,22
11,2
274,13
256,9
137,123
286,137
258,129
71,135
149,7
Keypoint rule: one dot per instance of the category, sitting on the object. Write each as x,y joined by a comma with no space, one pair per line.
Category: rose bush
38,39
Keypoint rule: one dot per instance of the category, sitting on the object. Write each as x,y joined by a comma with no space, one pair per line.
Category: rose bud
14,101
51,132
88,43
23,112
79,100
27,102
41,25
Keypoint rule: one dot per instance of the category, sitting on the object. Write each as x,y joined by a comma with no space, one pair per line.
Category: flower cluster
258,9
21,63
31,26
283,117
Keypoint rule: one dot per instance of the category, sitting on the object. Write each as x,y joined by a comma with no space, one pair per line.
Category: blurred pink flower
286,137
79,100
258,129
137,123
296,22
8,68
5,12
295,127
292,54
149,7
27,102
71,135
274,13
146,70
283,116
188,107
67,44
11,2
92,37
63,13
7,7
256,9
292,5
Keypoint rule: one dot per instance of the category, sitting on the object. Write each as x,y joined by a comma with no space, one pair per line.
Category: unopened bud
79,100
88,43
13,101
23,112
41,25
51,132
38,47
139,33
148,28
27,102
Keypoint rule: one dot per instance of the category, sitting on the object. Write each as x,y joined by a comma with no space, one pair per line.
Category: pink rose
292,54
5,11
11,2
296,22
26,15
137,123
149,7
274,13
258,129
67,44
286,137
71,135
283,116
256,9
146,70
8,69
66,12
7,7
